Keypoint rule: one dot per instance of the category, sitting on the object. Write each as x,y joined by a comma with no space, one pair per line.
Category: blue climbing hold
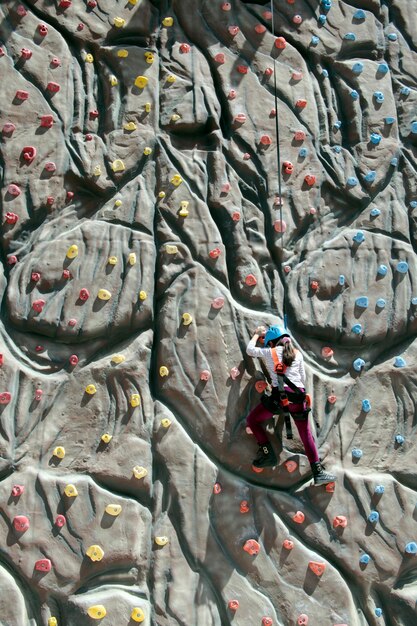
365,558
382,270
413,204
392,37
357,453
357,68
325,73
354,94
337,124
370,176
414,127
322,18
411,548
315,40
373,517
405,91
352,181
383,68
380,303
389,120
379,490
350,37
366,406
362,302
357,329
337,149
375,138
399,362
359,237
399,439
326,4
402,267
394,162
379,97
414,301
378,612
341,280
303,152
359,15
358,364
375,212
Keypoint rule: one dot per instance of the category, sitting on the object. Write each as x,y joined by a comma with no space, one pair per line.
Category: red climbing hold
217,489
37,305
267,621
252,547
244,506
55,62
242,69
331,399
317,568
302,620
298,517
17,490
280,43
310,180
29,153
93,114
60,521
301,103
53,87
185,48
266,140
299,135
21,94
215,253
21,523
339,521
288,544
25,53
260,386
260,29
43,30
84,294
233,605
11,218
43,565
21,11
73,360
288,167
35,276
5,397
250,280
47,121
220,58
65,4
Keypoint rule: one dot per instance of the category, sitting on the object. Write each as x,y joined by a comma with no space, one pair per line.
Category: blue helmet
274,332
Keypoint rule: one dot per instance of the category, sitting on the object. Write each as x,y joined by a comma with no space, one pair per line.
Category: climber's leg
266,456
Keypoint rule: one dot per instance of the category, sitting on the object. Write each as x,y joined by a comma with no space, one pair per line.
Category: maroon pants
260,414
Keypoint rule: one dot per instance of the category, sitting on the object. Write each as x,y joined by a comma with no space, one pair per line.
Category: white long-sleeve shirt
294,372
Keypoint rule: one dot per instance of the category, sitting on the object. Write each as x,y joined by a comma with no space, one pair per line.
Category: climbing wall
143,240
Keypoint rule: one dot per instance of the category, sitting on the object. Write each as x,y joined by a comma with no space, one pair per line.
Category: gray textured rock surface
157,159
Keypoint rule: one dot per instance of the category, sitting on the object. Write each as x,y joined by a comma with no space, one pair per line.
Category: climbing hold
176,180
402,267
52,621
91,390
113,509
244,506
112,260
97,611
411,548
301,103
59,452
141,81
414,301
297,19
97,170
137,615
298,517
106,438
89,58
21,94
326,352
362,302
60,521
288,167
359,15
332,399
183,212
37,305
142,295
17,490
130,126
359,237
322,19
252,547
267,621
382,270
352,181
302,620
43,565
383,68
35,276
217,488
95,553
250,280
118,165
315,40
165,422
73,360
139,472
53,87
134,400
280,226
215,253
233,605
375,138
287,544
186,319
171,78
317,568
349,37
123,54
379,97
147,151
373,517
392,37
8,128
220,58
380,303
103,294
357,453
341,280
21,523
43,30
339,521
71,491
119,22
379,489
72,252
163,371
11,218
38,394
399,362
405,91
28,153
399,439
354,94
84,294
364,559
291,466
366,406
357,68
310,180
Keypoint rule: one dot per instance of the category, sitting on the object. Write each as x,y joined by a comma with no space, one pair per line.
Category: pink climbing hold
266,140
240,118
220,58
69,196
21,11
50,166
297,75
217,489
13,190
226,6
267,621
314,285
269,71
37,305
332,399
218,303
50,200
66,274
43,30
244,507
72,322
21,523
215,253
185,48
8,128
280,226
73,360
38,395
53,87
250,280
280,43
25,53
299,135
326,352
84,294
93,114
11,218
252,547
12,259
288,167
29,153
21,94
233,30
288,544
287,269
302,620
47,121
60,521
92,4
339,521
233,605
232,94
5,397
226,187
205,375
17,490
242,69
297,19
267,15
298,517
236,216
260,29
43,565
1,359
55,62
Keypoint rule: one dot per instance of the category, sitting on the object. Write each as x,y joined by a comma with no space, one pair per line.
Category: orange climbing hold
298,517
317,568
244,506
252,547
339,521
287,544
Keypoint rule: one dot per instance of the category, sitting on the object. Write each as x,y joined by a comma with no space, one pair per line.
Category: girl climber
278,349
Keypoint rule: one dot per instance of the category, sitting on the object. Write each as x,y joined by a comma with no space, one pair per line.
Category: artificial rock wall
143,239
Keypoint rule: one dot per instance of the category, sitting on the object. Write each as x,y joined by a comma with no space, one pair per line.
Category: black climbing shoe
320,476
266,456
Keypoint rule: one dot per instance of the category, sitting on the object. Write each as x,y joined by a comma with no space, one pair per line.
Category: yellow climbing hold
148,107
97,611
97,170
131,259
139,471
183,212
147,151
176,180
175,117
137,615
71,491
112,260
161,194
122,53
89,58
95,553
150,57
169,249
134,400
163,371
171,78
106,438
142,295
186,319
72,252
133,1
113,80
118,358
59,452
119,22
104,294
161,541
91,390
52,621
130,126
166,423
141,82
118,203
113,509
168,21
118,165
